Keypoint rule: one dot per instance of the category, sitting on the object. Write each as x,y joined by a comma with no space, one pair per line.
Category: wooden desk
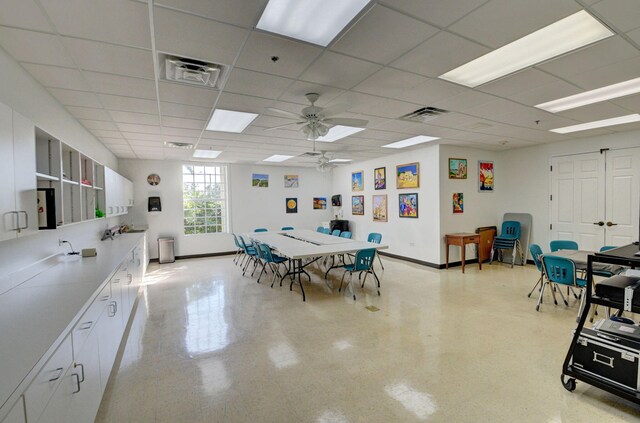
462,239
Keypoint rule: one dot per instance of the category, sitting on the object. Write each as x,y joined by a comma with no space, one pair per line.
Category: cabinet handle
130,277
82,369
78,382
113,308
16,221
85,325
115,280
26,220
59,370
104,298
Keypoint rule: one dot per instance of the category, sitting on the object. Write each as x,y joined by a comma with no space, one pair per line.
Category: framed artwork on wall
292,205
458,203
357,205
291,181
380,178
408,205
319,203
457,168
260,180
408,176
379,208
485,176
357,181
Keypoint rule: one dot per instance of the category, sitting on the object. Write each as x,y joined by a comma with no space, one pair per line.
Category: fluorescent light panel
339,160
565,35
598,124
206,154
316,22
277,158
338,132
230,121
609,92
411,141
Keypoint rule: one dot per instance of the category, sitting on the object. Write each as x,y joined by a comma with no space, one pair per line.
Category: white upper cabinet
118,193
7,193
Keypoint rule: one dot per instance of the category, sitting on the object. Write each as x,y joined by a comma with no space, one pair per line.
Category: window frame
202,213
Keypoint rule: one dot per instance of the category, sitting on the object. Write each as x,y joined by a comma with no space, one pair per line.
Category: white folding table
301,244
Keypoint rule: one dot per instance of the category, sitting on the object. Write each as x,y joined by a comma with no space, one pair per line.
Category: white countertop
35,314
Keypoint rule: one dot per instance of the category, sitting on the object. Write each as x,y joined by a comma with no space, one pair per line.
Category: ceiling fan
316,121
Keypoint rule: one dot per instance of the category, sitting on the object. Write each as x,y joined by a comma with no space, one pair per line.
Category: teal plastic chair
607,248
320,229
363,263
376,238
336,232
271,260
239,250
536,254
509,239
563,244
562,271
250,252
326,231
260,230
604,273
287,228
345,234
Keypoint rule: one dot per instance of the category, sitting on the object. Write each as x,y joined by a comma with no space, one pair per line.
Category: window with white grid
204,192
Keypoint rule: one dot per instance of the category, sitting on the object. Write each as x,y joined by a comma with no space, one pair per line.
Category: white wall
527,186
480,208
250,207
414,238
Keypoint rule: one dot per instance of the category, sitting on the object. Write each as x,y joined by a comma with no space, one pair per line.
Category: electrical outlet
412,244
60,242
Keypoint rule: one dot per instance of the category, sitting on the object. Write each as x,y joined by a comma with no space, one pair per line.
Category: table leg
300,270
463,249
478,255
447,260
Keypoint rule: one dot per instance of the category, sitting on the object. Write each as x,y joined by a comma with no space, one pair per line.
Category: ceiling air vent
182,145
423,114
192,71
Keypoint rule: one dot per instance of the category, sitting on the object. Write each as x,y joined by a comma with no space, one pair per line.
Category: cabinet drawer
44,385
90,318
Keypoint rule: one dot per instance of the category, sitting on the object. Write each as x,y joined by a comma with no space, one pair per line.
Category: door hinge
602,150
551,168
550,226
551,197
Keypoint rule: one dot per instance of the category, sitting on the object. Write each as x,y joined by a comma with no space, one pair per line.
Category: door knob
601,223
611,224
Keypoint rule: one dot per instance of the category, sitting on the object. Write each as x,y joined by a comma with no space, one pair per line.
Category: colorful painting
408,176
408,205
357,205
379,208
357,181
457,168
380,178
260,180
292,205
485,176
291,181
458,203
319,203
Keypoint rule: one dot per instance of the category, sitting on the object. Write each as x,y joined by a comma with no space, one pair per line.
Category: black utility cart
608,355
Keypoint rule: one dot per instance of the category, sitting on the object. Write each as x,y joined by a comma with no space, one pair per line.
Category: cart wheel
569,385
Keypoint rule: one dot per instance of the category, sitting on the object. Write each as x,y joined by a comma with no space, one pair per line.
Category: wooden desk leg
447,260
478,254
462,248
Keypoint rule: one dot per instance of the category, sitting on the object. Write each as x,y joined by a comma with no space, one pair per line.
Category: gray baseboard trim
195,256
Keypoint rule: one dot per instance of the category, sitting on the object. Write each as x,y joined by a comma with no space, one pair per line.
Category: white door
578,199
623,196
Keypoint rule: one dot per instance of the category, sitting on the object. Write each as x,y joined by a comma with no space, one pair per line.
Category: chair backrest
256,246
375,238
235,239
345,234
563,244
607,248
364,259
536,252
559,270
243,244
265,253
319,229
287,228
336,232
510,229
260,230
326,231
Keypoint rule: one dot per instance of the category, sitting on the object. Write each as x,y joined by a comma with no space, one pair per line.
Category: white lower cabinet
16,415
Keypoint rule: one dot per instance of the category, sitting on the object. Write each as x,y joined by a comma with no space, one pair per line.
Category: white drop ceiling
97,58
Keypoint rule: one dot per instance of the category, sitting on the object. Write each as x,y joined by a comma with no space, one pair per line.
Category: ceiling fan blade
335,110
360,123
284,126
290,115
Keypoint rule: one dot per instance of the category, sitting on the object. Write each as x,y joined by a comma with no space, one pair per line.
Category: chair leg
563,298
353,291
342,280
380,260
513,255
544,284
535,286
264,265
491,255
553,292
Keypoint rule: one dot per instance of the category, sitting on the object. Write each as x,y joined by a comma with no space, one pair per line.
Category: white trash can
165,250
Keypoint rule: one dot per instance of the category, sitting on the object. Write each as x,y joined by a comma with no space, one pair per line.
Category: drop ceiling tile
496,108
128,104
114,21
525,80
137,118
23,14
107,58
256,84
544,93
186,94
607,75
98,124
630,103
34,47
176,122
265,121
104,83
105,133
337,70
425,91
184,111
389,82
464,100
528,118
439,54
376,106
294,57
139,136
603,53
57,77
89,113
623,15
178,138
181,132
296,93
201,40
111,141
244,13
76,98
634,35
245,103
439,12
382,35
499,22
142,129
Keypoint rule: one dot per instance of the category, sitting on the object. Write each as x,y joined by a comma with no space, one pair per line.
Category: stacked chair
509,239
